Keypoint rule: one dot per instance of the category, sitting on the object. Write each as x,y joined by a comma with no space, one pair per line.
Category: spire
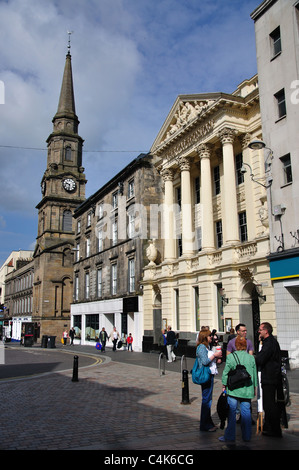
66,105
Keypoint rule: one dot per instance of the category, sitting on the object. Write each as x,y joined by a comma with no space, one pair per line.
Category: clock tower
63,189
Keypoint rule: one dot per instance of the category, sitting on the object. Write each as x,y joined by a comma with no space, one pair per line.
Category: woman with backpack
241,395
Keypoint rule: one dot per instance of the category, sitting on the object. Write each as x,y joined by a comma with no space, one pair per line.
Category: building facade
277,43
213,268
111,248
19,300
63,189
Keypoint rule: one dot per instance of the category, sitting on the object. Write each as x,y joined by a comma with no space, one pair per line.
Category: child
129,342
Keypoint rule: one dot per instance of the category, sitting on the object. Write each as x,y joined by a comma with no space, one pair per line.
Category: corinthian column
230,222
168,216
207,232
187,226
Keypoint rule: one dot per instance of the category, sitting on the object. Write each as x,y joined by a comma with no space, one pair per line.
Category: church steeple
66,105
63,190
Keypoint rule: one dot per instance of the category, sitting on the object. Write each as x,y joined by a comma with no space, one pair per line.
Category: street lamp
258,145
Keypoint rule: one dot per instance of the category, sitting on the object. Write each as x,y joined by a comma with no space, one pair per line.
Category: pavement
122,405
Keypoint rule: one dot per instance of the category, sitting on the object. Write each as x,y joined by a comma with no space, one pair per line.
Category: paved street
120,403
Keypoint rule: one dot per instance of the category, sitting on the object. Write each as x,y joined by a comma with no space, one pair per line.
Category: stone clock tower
63,189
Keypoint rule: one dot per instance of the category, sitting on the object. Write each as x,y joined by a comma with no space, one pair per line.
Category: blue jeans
230,432
206,422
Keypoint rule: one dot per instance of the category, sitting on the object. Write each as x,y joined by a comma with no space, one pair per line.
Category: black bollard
185,389
75,369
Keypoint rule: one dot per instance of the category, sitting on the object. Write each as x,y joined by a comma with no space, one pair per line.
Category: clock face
43,187
69,184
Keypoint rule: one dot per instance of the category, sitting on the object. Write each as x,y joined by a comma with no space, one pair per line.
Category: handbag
222,409
238,377
200,375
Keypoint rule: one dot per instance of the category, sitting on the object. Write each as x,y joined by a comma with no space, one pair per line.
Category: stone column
207,227
230,214
188,238
168,216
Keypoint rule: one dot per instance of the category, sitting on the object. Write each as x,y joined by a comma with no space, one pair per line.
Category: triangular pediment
186,110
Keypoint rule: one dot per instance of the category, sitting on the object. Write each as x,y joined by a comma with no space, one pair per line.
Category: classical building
277,43
213,269
112,245
63,189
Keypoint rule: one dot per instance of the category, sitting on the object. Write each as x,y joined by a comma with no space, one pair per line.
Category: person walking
103,338
65,337
114,337
239,397
170,342
72,335
206,357
268,361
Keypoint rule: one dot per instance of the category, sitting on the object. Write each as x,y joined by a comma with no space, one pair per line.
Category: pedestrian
239,397
206,357
114,335
65,337
103,338
170,343
241,331
129,342
162,342
268,361
72,335
231,335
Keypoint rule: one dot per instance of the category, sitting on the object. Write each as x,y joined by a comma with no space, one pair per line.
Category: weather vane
69,41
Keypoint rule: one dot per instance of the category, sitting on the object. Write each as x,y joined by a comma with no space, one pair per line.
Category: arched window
67,221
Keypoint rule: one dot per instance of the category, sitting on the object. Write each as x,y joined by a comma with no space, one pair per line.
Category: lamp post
258,145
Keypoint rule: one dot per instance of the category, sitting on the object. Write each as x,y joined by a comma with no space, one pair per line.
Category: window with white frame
76,292
87,284
114,279
77,256
99,282
100,239
114,232
87,247
88,219
131,223
131,189
239,164
219,238
115,200
131,275
243,227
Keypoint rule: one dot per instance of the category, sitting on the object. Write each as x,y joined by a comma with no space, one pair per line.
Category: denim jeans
230,432
206,422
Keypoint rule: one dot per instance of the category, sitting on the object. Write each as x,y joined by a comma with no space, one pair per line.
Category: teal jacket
248,361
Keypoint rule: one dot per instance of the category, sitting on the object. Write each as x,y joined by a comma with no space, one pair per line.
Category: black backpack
238,377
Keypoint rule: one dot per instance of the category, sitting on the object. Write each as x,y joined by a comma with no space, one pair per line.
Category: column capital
204,150
245,139
227,135
184,163
167,174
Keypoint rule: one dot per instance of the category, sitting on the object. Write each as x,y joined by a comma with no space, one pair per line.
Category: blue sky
130,58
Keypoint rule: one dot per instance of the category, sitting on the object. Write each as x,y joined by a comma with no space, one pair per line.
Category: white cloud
130,58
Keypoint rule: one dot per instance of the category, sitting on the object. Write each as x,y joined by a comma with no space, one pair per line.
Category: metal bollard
185,388
75,369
